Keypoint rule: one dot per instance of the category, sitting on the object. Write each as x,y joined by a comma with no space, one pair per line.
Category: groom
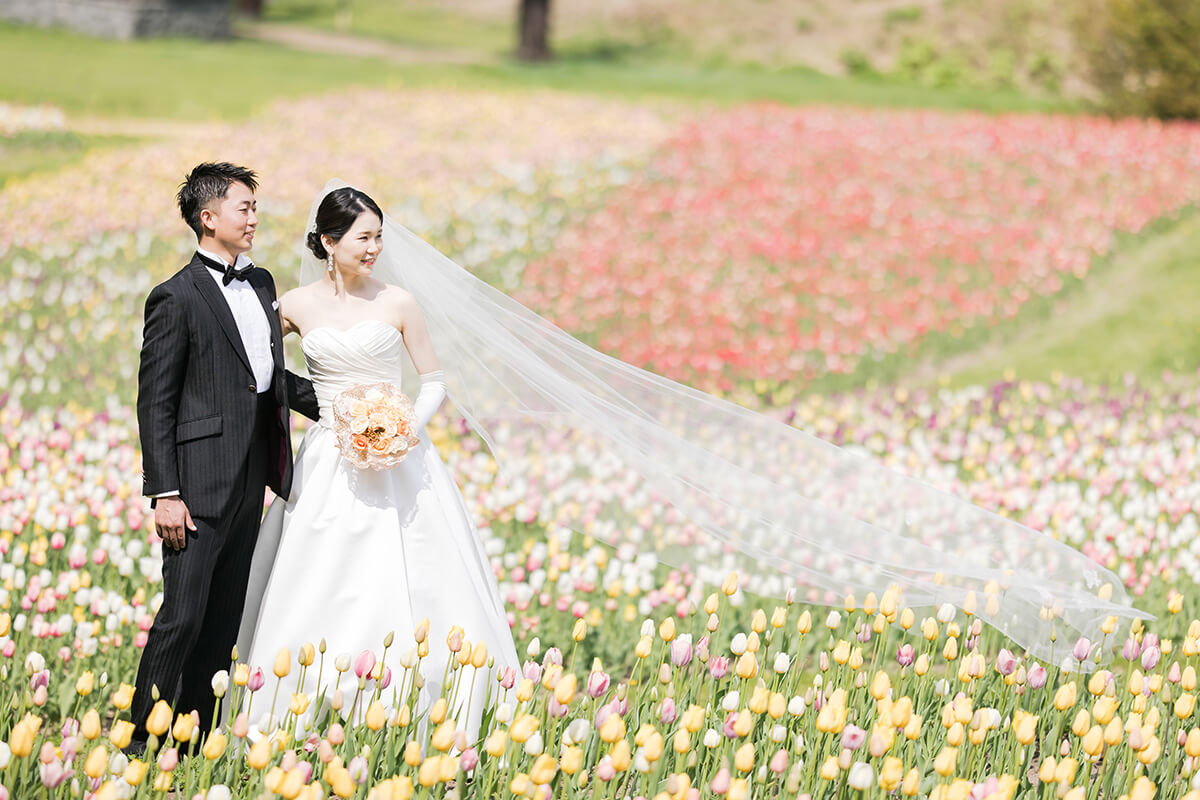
213,399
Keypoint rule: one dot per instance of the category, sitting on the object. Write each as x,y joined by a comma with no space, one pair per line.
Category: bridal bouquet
375,425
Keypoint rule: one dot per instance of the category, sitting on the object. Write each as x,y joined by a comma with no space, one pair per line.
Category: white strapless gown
354,554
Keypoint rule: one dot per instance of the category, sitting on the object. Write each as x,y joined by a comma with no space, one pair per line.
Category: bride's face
355,253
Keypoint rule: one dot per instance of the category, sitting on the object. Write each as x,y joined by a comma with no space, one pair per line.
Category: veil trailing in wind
629,456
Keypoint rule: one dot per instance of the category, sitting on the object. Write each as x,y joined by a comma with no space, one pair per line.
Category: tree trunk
251,8
533,27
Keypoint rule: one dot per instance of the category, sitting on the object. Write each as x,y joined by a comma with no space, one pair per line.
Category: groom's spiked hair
207,183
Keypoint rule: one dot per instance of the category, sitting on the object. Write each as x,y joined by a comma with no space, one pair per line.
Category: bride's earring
330,262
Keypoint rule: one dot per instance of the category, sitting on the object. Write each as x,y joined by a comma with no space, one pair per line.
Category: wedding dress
356,554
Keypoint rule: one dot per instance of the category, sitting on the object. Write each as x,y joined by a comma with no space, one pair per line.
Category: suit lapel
220,308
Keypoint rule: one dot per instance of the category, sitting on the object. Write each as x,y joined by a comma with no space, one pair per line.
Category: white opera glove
433,392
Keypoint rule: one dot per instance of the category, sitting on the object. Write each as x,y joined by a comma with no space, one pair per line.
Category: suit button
254,388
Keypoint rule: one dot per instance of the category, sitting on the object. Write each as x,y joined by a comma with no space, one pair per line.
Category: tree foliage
1142,56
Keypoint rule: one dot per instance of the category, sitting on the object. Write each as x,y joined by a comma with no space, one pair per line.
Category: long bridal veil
629,456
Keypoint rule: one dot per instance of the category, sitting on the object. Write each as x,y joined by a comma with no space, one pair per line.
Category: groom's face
232,218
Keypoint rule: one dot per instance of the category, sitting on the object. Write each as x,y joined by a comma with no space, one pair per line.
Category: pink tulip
597,683
533,671
779,762
718,667
553,656
1174,675
668,712
905,654
605,770
1131,649
336,734
52,774
168,759
728,728
257,679
358,769
1006,662
721,782
386,680
681,651
1083,649
508,678
241,725
853,737
1151,657
364,663
1036,677
468,760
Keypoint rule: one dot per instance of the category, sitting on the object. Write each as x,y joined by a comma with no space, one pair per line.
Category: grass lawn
188,79
1136,313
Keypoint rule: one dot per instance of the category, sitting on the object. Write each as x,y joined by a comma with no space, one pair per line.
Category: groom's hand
173,521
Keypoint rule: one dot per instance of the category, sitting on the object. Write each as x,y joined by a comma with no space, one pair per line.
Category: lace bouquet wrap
375,425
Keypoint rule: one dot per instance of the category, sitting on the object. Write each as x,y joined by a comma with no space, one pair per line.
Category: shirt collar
243,260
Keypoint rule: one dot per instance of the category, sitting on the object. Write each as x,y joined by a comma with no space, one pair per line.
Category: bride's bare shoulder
398,298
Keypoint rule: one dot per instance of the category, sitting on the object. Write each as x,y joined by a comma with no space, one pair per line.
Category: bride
605,449
357,553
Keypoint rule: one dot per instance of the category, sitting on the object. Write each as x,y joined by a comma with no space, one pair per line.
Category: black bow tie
228,273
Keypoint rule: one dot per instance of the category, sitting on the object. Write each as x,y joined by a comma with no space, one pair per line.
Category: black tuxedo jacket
196,395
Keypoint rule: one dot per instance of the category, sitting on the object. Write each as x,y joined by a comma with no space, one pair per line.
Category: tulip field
750,251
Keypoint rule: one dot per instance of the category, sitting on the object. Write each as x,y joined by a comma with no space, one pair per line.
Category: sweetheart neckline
332,329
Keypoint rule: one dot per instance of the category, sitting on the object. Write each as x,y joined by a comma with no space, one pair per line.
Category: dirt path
314,41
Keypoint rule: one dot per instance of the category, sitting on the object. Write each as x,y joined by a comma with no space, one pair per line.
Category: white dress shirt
251,319
252,324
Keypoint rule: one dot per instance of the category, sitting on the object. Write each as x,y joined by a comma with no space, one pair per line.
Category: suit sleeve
301,396
160,383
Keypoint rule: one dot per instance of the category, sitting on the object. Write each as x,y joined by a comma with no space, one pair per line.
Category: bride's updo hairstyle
336,215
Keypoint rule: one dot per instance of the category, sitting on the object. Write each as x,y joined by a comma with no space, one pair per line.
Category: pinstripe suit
208,433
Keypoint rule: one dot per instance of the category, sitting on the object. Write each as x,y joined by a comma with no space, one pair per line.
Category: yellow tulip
621,755
747,665
946,761
307,655
912,731
745,723
543,770
260,754
437,712
162,782
135,772
612,729
778,617
524,690
1024,727
341,783
571,759
298,703
495,743
97,762
214,746
412,753
1143,789
1093,741
921,665
667,629
730,585
185,726
241,675
123,697
292,784
283,663
447,767
1081,723
841,652
1065,697
1150,753
911,784
743,759
1192,745
1185,705
1113,732
643,648
804,624
1065,771
89,726
443,737
1137,682
1104,708
950,651
881,685
954,736
565,690
376,716
1047,769
479,655
121,733
892,771
830,769
777,705
85,683
520,784
159,721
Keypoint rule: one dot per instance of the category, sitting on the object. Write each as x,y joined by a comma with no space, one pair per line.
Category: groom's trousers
204,589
